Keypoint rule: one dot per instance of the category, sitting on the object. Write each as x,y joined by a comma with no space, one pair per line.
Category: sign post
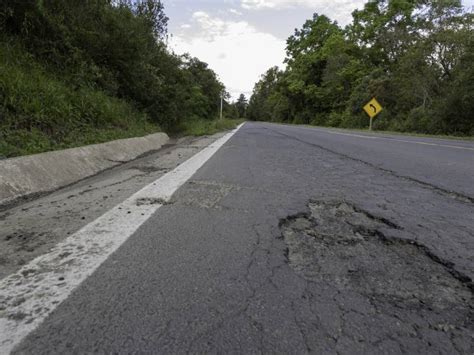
373,108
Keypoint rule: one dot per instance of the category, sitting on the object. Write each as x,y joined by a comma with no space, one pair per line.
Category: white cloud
284,4
339,10
234,49
261,4
235,12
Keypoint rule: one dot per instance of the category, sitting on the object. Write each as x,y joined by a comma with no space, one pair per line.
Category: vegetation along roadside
75,73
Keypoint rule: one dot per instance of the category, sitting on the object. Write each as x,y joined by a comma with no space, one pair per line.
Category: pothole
152,201
337,244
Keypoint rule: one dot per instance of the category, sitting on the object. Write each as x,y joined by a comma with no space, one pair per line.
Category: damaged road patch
152,201
402,291
206,194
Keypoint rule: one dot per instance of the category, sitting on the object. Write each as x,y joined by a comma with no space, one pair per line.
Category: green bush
335,119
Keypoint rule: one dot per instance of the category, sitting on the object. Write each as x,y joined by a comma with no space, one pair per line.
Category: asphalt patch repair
396,285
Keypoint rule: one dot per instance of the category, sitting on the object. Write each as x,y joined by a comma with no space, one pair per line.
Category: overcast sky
241,39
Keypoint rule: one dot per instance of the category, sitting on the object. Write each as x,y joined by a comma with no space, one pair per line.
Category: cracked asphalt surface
292,240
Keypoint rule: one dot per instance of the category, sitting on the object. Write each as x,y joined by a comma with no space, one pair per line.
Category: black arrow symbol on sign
373,108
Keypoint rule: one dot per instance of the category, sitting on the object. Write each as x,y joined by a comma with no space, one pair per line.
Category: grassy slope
39,112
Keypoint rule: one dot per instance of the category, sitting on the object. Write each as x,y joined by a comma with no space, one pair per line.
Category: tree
265,97
207,88
308,53
242,105
152,11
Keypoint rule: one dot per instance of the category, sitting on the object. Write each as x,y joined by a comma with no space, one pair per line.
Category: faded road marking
394,139
28,296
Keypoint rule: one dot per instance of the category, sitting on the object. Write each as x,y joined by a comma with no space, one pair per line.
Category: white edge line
28,296
392,139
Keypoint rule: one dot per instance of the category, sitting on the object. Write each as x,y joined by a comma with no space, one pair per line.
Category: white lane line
394,139
30,295
435,144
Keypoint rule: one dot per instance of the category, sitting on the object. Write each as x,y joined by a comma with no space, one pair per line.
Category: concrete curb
45,172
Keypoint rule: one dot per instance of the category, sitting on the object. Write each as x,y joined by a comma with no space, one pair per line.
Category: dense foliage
241,106
75,72
415,56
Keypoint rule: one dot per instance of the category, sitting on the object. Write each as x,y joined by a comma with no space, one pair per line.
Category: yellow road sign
373,108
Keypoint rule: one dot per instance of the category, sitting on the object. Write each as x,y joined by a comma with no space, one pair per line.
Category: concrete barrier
46,172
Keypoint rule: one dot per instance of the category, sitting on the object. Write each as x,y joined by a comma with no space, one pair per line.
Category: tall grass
39,112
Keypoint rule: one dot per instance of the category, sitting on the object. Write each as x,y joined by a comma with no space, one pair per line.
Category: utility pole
222,104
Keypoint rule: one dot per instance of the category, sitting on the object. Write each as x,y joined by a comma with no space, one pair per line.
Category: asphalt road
291,240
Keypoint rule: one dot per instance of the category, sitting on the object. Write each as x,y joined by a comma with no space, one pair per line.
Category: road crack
440,190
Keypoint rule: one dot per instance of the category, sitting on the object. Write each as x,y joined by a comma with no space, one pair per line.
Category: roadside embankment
40,173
